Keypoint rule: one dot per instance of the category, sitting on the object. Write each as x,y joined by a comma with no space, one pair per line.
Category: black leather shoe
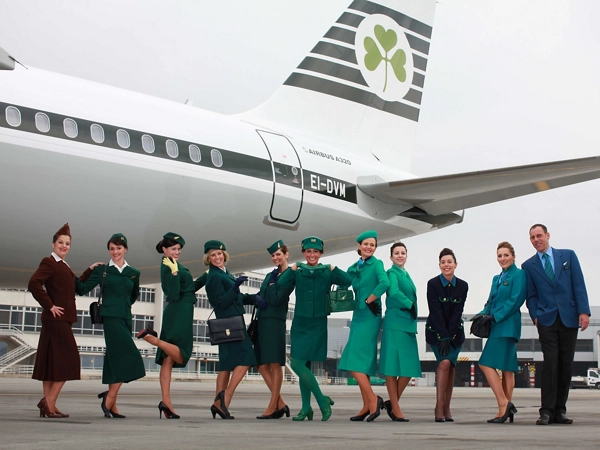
285,411
273,415
380,406
543,420
360,417
562,419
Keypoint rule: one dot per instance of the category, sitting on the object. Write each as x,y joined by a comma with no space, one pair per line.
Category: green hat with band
175,237
366,235
118,237
312,242
276,246
214,245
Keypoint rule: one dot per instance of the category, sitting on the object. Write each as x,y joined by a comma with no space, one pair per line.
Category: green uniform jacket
119,291
221,296
312,284
369,279
401,302
505,301
180,287
276,299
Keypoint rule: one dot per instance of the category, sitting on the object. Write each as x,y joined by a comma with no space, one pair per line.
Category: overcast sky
508,83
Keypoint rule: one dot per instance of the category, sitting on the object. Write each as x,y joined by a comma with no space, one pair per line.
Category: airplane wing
447,193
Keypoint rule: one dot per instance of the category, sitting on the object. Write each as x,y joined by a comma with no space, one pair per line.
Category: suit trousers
558,346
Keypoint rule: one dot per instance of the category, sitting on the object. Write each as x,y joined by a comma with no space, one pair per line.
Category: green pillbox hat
312,242
276,246
366,235
175,237
118,237
214,245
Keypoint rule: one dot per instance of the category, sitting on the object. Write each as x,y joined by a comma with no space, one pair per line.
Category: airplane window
216,157
172,149
42,122
97,133
195,153
70,127
13,116
148,144
123,138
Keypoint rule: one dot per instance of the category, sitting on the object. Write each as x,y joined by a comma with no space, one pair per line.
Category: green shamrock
388,40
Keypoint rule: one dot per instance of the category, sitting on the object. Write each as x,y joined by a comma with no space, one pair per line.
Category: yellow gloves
171,265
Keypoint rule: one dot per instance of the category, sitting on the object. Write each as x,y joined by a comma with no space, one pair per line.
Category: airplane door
288,186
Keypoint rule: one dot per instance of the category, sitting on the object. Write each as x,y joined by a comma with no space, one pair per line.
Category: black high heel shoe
273,415
222,410
116,415
380,406
147,331
509,413
285,411
105,410
359,417
388,408
214,410
162,408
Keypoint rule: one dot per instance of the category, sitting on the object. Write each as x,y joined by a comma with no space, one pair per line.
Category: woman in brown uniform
57,359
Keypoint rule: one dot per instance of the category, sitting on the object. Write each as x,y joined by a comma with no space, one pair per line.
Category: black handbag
96,307
253,327
228,329
480,326
340,300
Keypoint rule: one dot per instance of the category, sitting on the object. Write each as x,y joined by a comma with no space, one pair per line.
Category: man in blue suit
558,305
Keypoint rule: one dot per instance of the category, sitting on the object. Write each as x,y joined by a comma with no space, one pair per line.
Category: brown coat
59,281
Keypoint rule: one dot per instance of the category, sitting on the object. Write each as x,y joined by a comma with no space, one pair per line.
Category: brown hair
543,227
397,244
358,250
507,245
118,242
447,252
284,249
166,243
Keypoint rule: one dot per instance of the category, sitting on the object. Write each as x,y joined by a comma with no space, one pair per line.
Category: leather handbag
340,300
228,329
96,307
253,327
481,327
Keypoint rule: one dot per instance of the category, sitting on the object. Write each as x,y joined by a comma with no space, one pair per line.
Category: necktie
501,277
548,267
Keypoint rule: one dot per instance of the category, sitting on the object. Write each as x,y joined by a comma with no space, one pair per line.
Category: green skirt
122,360
233,354
360,353
309,338
452,356
270,347
500,353
177,329
399,354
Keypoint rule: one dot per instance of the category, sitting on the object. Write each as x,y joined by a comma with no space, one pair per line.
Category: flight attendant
444,329
223,291
369,283
120,289
57,360
399,361
309,326
270,346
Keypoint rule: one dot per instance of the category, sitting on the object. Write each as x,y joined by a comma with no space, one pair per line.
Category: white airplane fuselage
250,186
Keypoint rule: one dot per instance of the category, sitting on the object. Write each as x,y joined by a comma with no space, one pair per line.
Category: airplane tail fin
360,87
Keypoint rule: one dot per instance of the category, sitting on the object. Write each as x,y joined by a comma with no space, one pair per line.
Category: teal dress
270,346
178,316
309,326
122,360
360,353
507,295
227,303
399,349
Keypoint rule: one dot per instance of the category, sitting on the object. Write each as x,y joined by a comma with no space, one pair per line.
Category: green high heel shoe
303,415
326,412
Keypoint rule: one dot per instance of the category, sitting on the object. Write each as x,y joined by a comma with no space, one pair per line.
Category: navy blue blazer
565,296
446,304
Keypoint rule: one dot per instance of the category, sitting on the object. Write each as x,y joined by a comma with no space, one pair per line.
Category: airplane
325,155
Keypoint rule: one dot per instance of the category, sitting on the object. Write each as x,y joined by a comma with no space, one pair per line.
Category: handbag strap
102,284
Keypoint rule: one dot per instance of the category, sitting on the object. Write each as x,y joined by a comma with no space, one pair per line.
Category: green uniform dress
228,303
178,316
270,347
122,360
309,326
399,349
507,295
360,353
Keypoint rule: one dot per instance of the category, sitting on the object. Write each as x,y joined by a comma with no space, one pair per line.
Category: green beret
175,237
276,246
312,242
213,245
118,237
366,235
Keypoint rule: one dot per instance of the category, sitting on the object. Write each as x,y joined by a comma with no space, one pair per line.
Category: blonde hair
206,258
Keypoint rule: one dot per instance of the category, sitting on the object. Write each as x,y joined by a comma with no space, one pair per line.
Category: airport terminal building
20,325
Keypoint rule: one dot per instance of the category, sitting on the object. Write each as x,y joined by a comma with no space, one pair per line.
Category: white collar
120,269
58,258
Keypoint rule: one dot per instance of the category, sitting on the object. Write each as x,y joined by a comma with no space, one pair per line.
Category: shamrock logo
387,40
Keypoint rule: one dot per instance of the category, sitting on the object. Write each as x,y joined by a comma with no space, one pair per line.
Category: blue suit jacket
565,296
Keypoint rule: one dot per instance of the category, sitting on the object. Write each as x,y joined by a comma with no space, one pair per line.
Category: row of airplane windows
71,130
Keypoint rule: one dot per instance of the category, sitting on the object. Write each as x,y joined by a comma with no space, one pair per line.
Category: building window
123,138
148,144
472,345
97,133
584,345
140,322
195,154
85,326
172,148
42,122
216,157
70,128
13,116
202,301
200,331
147,295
